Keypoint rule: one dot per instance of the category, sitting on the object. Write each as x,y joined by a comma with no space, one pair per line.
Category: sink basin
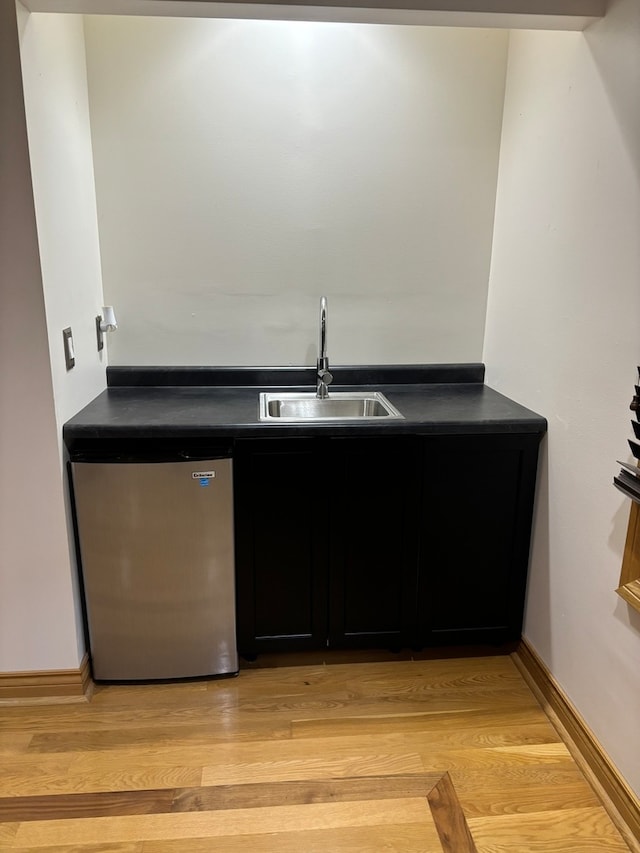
339,406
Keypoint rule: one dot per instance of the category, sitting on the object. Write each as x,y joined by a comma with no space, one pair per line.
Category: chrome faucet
323,376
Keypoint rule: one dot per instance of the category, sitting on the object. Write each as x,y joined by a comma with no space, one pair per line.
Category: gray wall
245,168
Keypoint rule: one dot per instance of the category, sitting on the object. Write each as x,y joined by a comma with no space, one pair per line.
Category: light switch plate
69,352
99,333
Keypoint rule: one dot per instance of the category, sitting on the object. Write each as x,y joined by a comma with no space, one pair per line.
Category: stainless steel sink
298,407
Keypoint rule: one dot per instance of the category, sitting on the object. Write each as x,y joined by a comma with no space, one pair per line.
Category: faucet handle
325,376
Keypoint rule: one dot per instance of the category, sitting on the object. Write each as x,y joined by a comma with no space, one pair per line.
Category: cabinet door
373,555
476,524
281,549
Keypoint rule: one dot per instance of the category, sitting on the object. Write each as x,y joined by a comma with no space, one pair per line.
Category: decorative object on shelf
628,480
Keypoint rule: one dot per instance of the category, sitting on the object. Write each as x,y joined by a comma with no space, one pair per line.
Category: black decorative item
628,480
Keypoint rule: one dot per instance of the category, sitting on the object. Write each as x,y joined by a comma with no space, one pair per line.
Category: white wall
38,628
563,337
57,113
245,168
57,110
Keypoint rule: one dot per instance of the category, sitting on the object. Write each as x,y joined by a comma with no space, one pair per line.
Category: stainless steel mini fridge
157,561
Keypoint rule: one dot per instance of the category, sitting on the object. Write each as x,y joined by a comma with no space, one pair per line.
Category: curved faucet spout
323,376
322,345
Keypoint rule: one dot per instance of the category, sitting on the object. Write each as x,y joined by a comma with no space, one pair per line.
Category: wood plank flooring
401,756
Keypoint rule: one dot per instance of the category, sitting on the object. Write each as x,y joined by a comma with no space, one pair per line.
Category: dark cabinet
475,522
324,550
281,546
372,558
382,541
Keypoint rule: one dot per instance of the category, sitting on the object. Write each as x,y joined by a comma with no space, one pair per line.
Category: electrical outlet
69,352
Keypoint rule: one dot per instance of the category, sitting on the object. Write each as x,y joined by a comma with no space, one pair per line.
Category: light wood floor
401,756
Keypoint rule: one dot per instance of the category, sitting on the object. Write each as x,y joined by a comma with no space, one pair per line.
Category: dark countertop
452,400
